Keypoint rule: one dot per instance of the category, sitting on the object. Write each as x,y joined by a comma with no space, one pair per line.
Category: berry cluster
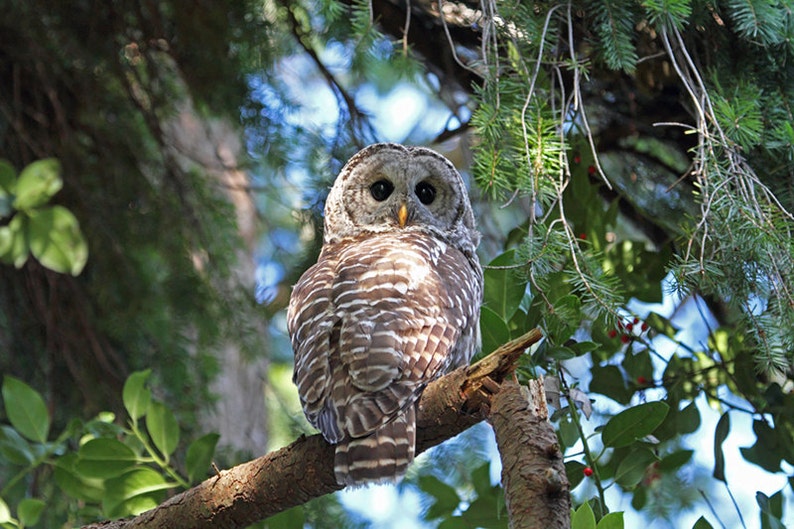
628,330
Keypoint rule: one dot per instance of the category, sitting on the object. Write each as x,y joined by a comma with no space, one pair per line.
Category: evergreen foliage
629,141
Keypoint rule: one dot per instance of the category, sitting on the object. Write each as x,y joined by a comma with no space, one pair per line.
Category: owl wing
397,313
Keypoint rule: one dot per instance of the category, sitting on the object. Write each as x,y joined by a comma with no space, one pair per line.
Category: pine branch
295,474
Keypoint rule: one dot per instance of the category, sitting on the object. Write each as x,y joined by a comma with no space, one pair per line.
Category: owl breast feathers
392,303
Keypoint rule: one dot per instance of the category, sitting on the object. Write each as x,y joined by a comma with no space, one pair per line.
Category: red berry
644,327
577,159
612,333
625,338
583,236
642,381
587,471
636,320
591,169
629,326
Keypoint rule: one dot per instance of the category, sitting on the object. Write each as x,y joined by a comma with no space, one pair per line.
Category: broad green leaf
5,512
633,424
769,448
481,479
56,240
771,510
613,520
702,523
688,419
26,410
29,511
199,456
575,472
445,496
675,460
163,428
104,458
720,434
14,248
8,183
135,395
75,484
484,512
608,381
293,518
661,325
632,469
583,517
133,492
494,330
37,183
504,290
8,178
14,448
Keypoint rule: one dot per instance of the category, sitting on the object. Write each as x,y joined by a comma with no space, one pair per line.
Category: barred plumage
392,303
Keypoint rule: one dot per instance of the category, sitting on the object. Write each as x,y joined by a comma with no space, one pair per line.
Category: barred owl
392,303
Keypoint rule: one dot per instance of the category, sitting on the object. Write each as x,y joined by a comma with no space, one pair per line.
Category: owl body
392,303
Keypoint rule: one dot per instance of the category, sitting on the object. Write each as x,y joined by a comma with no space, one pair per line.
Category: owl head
388,187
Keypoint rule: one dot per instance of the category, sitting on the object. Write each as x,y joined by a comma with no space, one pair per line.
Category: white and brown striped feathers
392,303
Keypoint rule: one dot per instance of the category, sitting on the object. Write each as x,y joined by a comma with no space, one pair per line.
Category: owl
392,303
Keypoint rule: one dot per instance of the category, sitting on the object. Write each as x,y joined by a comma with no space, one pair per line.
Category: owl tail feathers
382,457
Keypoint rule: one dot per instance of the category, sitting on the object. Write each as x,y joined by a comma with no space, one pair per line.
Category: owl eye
426,193
381,190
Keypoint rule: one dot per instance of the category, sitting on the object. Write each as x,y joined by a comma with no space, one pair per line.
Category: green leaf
613,520
583,517
771,510
631,469
56,240
14,448
8,183
633,424
770,447
14,246
134,492
37,183
26,409
608,381
661,325
575,472
504,290
702,523
29,511
135,395
293,518
675,460
8,178
5,512
199,456
163,428
494,330
104,458
445,496
720,434
76,485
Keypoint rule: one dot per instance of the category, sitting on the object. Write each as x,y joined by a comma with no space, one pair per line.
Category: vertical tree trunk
533,474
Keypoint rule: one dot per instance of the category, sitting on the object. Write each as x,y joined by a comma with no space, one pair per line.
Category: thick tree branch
533,473
295,474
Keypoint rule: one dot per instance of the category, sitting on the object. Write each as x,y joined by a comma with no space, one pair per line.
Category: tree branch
533,474
304,470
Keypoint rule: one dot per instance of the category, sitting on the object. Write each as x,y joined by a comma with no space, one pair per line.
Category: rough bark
533,474
293,475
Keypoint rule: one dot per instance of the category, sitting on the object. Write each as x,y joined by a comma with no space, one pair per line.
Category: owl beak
402,215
